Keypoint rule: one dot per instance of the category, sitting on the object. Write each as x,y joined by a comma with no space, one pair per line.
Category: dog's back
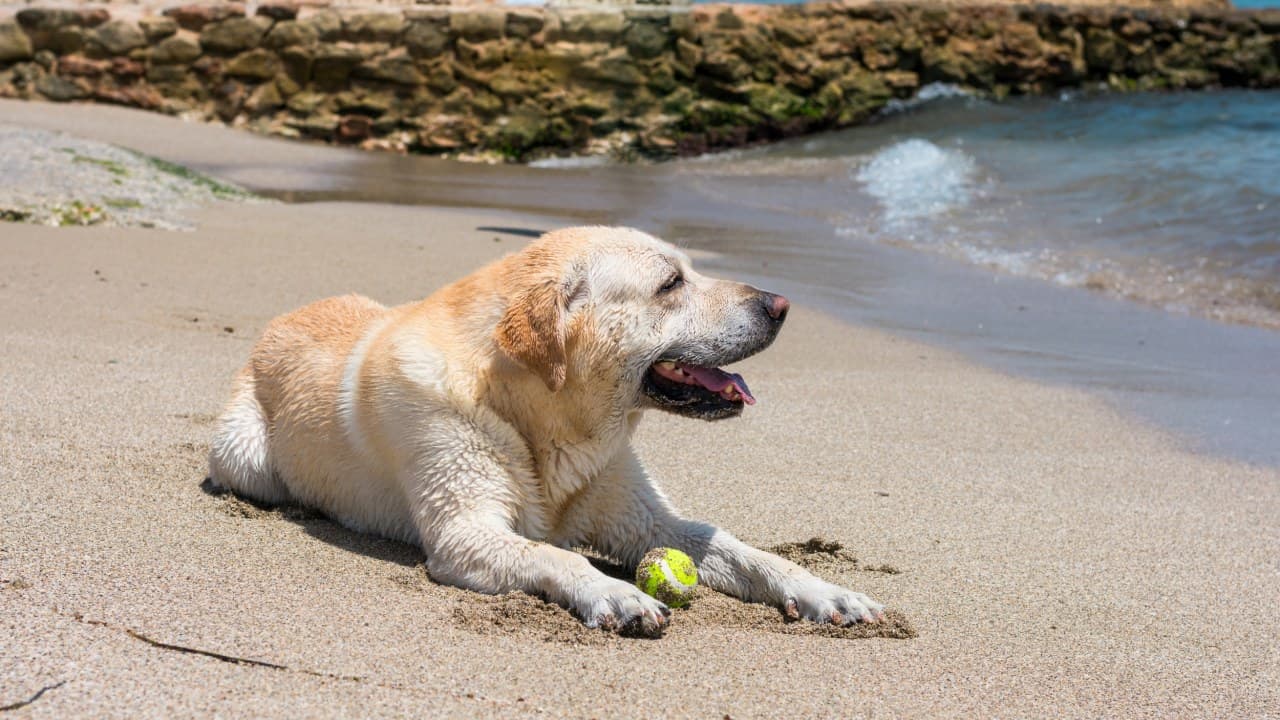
285,410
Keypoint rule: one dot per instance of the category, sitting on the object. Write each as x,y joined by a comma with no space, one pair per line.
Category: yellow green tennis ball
668,575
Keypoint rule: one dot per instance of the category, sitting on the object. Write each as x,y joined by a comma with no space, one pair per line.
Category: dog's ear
532,329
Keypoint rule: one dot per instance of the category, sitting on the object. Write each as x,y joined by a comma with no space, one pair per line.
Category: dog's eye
672,283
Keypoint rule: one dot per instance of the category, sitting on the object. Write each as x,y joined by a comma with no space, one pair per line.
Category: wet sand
1053,557
1216,386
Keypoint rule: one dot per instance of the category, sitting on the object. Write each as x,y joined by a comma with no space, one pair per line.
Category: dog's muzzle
690,382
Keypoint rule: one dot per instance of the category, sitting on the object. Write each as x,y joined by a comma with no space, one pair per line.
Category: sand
1044,555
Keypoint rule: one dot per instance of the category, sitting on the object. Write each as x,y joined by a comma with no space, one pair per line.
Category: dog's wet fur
490,423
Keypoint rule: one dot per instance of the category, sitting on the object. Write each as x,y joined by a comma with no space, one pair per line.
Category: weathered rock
332,64
483,55
1102,50
287,86
140,96
485,104
36,19
727,19
397,67
371,104
616,68
656,81
646,39
517,134
319,127
209,67
688,53
126,69
277,10
353,128
167,73
179,49
373,27
1267,20
775,103
661,79
592,106
683,25
234,35
156,29
478,26
327,24
64,40
229,99
902,80
306,103
297,63
264,98
290,32
507,83
593,27
59,29
60,89
524,22
425,39
725,67
117,37
441,79
14,44
77,66
196,16
797,35
256,64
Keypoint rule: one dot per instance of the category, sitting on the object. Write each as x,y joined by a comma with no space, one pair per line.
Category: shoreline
520,83
1041,538
1055,556
1218,397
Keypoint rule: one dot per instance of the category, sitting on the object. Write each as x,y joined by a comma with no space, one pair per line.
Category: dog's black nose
775,306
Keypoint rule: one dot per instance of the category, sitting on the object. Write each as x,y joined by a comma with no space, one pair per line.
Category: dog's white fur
490,424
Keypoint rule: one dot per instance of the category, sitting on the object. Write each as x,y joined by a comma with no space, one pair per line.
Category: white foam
915,180
926,94
572,161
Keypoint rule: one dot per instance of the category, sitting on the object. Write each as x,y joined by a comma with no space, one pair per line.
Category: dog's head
617,312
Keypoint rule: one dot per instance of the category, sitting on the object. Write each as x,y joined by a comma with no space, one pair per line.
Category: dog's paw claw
792,610
823,602
619,607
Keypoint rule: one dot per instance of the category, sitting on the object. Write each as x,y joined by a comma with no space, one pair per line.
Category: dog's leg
467,505
239,459
626,514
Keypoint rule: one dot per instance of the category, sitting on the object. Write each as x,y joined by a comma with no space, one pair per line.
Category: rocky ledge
520,82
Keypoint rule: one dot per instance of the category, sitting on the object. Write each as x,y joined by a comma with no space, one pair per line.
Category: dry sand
1054,558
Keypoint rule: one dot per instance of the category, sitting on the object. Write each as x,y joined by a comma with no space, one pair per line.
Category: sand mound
821,555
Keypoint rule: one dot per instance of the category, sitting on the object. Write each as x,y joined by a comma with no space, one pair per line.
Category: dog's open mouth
697,391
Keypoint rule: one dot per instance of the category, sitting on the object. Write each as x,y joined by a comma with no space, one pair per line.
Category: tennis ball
668,575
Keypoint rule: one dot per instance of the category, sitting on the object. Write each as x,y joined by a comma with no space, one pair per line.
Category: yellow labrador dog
490,424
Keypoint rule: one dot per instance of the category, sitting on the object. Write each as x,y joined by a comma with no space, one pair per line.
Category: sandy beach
1055,557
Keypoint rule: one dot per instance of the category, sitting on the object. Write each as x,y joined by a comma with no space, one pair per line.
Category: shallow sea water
849,222
1167,199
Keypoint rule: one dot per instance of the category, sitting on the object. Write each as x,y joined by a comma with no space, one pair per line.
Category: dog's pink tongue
715,380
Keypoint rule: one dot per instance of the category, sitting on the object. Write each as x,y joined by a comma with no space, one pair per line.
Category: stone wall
521,82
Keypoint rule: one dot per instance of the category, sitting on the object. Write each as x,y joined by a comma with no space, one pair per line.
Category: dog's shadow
325,529
317,525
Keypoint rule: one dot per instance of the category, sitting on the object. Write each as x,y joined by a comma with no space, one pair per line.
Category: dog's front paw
822,602
622,608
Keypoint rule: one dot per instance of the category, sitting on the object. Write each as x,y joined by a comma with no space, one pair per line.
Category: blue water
1172,200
